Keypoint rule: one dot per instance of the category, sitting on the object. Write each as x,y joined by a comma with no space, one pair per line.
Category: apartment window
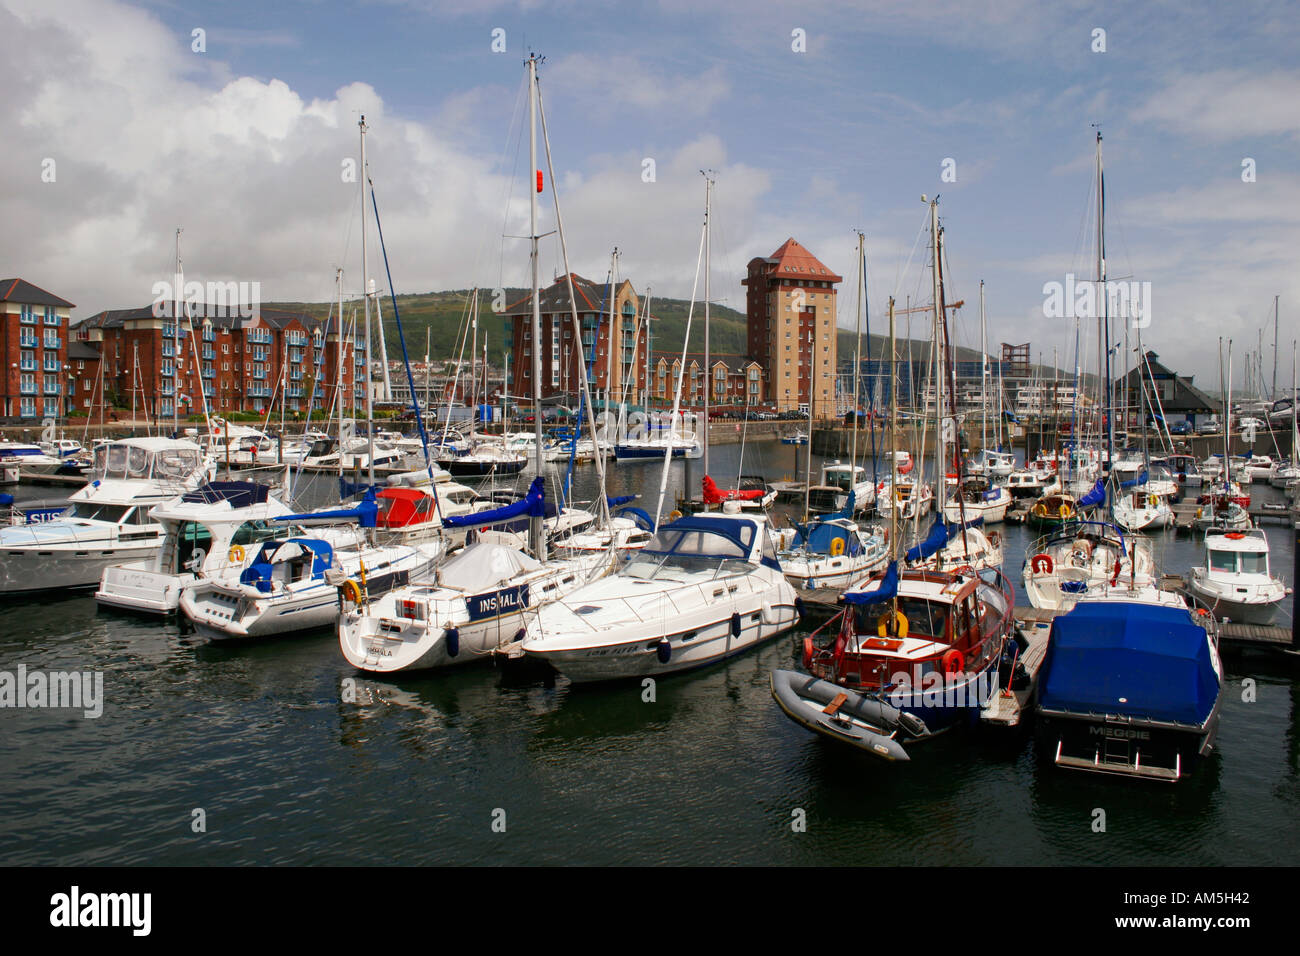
225,348
51,318
27,384
27,339
28,362
51,362
28,408
51,339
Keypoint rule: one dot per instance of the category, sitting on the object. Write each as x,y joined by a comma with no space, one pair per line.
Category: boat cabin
287,562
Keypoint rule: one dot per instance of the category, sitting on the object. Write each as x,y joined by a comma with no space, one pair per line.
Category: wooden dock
1006,707
1185,513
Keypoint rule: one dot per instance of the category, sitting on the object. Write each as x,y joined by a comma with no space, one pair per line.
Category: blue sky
241,146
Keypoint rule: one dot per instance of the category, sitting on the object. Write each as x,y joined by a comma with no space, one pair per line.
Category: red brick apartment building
134,357
563,362
737,380
35,350
790,313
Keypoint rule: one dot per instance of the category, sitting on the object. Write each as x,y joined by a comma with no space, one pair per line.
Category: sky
819,119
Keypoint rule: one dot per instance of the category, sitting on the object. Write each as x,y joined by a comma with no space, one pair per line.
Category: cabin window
1223,561
1253,562
255,532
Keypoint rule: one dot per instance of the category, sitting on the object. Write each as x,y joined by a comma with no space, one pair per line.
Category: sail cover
714,495
935,540
1094,497
533,505
885,590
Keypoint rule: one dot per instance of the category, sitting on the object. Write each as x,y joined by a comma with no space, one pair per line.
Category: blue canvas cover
822,535
885,591
240,494
532,504
1156,658
1094,497
935,540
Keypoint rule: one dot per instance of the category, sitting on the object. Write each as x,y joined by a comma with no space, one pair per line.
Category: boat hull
32,570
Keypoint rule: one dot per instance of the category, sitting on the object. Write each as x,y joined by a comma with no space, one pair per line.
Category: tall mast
1103,326
939,438
178,351
984,382
536,539
365,295
857,363
708,370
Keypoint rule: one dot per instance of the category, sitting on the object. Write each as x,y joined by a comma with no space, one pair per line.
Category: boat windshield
1254,562
1223,560
93,510
691,549
927,619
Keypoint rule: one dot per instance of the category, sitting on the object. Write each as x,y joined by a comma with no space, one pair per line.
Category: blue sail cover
1134,482
620,500
533,505
1138,660
1094,497
886,589
935,540
365,513
822,535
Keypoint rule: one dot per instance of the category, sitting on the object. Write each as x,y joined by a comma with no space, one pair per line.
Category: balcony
53,342
209,352
27,388
52,364
27,340
28,365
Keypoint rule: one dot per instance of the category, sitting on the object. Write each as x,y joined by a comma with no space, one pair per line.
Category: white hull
58,567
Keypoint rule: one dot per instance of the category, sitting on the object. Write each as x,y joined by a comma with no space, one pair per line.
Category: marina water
292,757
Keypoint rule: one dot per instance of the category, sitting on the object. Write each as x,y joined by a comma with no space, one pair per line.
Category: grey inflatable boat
845,715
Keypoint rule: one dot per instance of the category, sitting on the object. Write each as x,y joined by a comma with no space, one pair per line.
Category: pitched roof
1186,398
793,261
591,297
24,293
84,351
734,362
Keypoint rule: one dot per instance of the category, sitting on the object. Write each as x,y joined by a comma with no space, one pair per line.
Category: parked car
1180,428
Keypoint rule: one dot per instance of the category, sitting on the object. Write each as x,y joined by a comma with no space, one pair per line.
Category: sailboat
912,654
474,604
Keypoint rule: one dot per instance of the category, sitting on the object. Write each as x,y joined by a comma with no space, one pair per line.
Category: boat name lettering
1120,732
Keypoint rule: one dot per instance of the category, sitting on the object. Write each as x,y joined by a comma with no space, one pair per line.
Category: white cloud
1223,105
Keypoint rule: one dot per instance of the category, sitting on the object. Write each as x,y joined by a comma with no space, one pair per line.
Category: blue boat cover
1156,658
1134,482
822,534
884,591
1094,497
532,504
366,513
935,540
643,520
620,500
240,494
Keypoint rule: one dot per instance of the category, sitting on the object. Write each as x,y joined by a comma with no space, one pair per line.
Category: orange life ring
1234,535
1041,564
1202,612
954,662
236,554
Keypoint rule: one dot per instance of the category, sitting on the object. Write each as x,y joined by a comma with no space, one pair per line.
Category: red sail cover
714,495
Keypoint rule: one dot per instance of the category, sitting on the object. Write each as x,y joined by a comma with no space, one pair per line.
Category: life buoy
900,624
807,653
1041,564
674,515
1234,535
351,590
837,547
236,554
1202,612
1063,511
954,662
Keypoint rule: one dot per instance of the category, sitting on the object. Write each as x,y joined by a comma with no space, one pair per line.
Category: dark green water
260,739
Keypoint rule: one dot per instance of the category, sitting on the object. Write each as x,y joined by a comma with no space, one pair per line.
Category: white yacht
977,497
109,523
831,553
1139,509
1235,582
1087,558
470,607
704,588
298,584
207,532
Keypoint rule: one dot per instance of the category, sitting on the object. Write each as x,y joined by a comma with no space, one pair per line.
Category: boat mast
708,371
984,384
1275,298
1103,327
338,375
365,295
857,364
536,539
176,343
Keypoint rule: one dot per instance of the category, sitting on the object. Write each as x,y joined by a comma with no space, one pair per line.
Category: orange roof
794,261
